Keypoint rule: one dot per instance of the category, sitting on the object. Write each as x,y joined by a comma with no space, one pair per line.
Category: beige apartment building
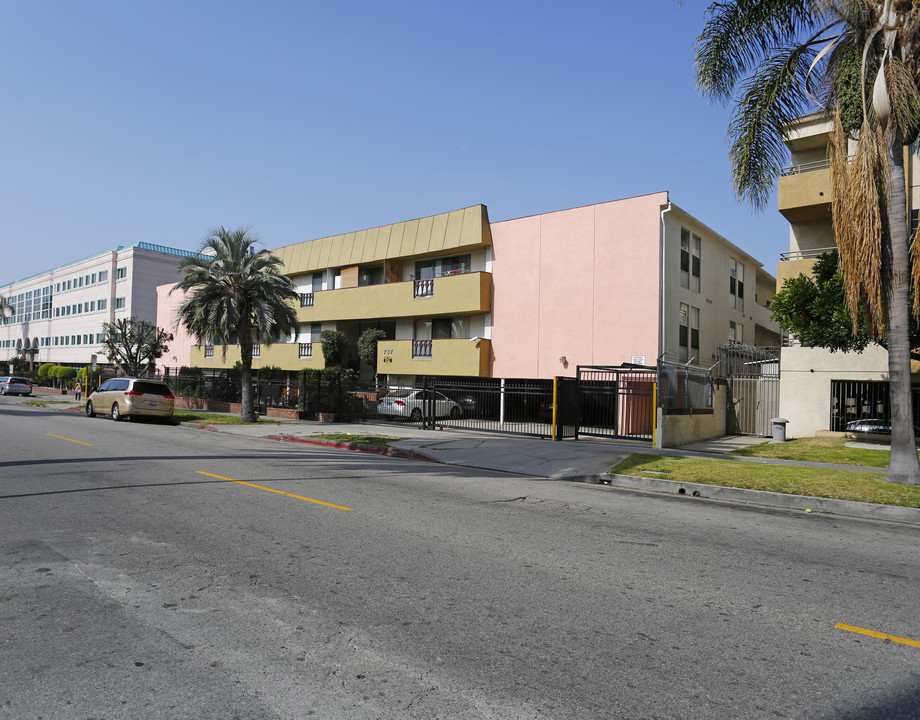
822,390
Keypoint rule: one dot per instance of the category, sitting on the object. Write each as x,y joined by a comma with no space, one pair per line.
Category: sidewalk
586,460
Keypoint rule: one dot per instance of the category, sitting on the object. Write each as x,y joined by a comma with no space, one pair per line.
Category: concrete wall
805,387
676,430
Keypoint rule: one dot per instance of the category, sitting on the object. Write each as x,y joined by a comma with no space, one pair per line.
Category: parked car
12,385
411,404
128,397
875,426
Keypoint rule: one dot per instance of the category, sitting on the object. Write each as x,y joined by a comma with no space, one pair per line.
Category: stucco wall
676,430
580,284
805,383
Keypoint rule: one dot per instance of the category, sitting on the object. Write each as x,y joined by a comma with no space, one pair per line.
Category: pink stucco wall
580,283
180,347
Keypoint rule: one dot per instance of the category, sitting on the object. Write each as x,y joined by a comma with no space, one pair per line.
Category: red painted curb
391,452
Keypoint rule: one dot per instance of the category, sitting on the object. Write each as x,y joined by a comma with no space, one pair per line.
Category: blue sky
157,121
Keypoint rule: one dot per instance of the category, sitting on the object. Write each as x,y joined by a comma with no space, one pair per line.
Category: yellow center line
880,636
60,437
280,492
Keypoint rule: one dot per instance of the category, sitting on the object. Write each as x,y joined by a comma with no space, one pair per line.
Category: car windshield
149,388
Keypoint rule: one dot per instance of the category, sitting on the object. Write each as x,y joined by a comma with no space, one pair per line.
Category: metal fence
682,388
865,400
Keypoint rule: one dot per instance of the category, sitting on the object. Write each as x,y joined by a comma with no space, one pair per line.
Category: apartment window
57,312
370,276
57,287
121,273
92,306
93,276
736,284
439,267
317,282
119,303
690,249
103,275
689,333
735,331
101,305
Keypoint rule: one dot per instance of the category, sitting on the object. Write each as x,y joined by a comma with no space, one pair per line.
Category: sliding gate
617,401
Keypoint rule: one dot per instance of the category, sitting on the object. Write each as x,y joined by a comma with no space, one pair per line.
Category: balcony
466,294
287,356
457,356
805,192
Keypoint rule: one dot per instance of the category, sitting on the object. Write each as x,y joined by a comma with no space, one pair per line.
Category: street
156,571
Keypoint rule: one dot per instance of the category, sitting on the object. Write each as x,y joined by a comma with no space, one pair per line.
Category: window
690,245
735,331
92,306
101,304
317,282
439,267
103,275
736,284
119,303
57,287
121,273
370,276
93,276
689,333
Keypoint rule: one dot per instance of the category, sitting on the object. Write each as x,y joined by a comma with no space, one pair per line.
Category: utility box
779,429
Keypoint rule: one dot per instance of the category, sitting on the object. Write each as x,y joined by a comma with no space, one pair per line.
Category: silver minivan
127,397
12,385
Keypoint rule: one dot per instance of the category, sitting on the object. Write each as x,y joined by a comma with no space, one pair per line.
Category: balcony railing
306,299
805,254
209,351
421,348
306,350
256,350
424,288
799,168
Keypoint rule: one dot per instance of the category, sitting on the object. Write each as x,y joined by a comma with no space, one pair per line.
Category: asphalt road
139,581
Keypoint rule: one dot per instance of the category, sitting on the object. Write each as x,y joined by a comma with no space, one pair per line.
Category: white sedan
413,404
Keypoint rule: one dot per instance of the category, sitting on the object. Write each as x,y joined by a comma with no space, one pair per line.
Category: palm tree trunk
247,410
904,466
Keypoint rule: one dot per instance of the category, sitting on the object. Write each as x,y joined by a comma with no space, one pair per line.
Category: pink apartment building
627,281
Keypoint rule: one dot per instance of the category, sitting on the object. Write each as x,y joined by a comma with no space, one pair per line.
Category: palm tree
235,292
859,62
6,307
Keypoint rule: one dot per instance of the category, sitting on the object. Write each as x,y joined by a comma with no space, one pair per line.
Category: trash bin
779,429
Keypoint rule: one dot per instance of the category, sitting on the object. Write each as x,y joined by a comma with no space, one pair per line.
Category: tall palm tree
859,62
234,292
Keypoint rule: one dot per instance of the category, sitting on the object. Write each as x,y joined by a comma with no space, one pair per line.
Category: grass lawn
826,450
838,483
378,440
205,418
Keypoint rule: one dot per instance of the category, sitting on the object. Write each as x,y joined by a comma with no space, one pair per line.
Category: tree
235,293
859,61
133,345
334,344
6,307
814,309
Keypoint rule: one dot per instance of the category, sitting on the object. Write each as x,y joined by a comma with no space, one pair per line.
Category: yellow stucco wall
448,357
465,294
459,230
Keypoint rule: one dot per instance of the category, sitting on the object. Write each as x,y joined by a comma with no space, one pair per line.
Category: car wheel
89,409
455,412
416,414
116,415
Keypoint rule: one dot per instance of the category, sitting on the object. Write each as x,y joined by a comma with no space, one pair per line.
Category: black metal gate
617,401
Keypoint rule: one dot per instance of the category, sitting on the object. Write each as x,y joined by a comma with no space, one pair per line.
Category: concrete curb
849,508
360,447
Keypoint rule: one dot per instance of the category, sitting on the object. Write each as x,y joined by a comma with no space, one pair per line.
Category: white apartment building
58,314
